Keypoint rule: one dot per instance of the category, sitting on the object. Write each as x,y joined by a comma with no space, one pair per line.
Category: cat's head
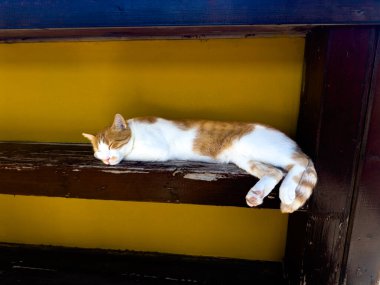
110,145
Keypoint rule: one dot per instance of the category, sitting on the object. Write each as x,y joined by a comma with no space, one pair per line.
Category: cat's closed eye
111,146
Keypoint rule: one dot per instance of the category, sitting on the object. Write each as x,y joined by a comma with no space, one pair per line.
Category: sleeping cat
262,151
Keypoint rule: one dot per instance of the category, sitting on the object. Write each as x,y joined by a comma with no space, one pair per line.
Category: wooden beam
42,14
363,240
172,32
339,63
71,171
26,264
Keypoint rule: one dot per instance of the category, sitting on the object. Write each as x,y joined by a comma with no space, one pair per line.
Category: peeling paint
204,176
20,168
33,268
124,171
177,171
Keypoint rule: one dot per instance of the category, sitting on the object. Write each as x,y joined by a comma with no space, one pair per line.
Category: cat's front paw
114,162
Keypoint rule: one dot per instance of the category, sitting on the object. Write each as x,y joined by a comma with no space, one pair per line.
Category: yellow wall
55,91
173,228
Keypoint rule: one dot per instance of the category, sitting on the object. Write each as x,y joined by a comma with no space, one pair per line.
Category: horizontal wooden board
71,171
159,32
23,264
17,14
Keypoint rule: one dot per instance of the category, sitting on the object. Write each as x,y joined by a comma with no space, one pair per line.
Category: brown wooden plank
331,124
364,242
26,264
172,32
64,170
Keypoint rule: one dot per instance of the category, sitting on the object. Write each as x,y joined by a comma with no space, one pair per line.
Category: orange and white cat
263,152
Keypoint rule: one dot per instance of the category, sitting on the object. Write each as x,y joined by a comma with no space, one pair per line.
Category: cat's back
217,140
208,131
170,130
159,124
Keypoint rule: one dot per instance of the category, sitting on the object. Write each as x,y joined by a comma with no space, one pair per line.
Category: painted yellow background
55,91
173,228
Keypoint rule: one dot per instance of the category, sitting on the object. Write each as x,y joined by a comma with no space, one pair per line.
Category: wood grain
148,33
71,171
26,264
332,118
363,240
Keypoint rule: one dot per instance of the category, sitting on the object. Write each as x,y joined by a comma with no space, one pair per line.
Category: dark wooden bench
339,125
71,171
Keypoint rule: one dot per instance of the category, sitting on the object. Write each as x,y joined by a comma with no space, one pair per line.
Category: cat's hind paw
287,195
302,195
290,208
254,198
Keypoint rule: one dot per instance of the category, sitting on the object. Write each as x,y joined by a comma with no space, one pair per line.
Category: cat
262,151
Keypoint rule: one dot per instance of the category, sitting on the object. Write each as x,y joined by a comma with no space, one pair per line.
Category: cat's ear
119,123
91,138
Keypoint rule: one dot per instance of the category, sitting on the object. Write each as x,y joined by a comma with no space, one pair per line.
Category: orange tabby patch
288,167
187,124
148,120
300,158
112,137
297,178
310,171
306,185
214,137
260,170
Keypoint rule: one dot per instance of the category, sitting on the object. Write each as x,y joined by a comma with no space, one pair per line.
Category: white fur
162,141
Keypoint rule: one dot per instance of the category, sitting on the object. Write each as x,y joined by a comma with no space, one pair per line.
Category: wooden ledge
27,264
71,171
149,33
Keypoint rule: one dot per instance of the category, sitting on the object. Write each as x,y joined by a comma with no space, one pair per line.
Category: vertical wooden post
338,69
363,243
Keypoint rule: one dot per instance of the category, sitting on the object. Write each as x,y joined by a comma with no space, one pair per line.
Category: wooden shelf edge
71,171
62,265
166,32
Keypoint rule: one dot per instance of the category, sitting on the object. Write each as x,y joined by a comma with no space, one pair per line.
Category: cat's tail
300,181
